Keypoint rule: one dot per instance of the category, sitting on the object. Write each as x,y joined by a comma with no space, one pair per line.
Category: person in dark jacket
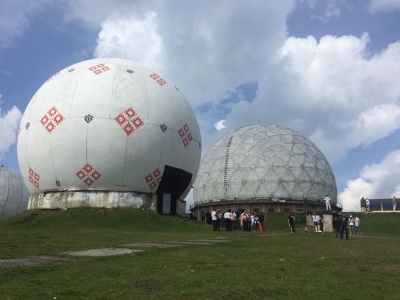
344,223
336,226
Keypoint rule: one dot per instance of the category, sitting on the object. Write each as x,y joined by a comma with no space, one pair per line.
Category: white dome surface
107,125
14,195
263,161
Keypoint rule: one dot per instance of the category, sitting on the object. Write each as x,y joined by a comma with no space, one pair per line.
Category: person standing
228,220
336,226
305,204
291,222
327,203
351,226
366,204
394,203
357,226
261,222
214,219
208,217
245,221
203,216
321,225
344,223
315,218
219,218
233,219
362,204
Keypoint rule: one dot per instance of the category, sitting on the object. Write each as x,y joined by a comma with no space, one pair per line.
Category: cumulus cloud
374,181
9,122
136,38
220,125
330,90
204,51
383,5
15,17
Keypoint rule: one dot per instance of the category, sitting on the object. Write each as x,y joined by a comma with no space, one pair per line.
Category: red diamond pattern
158,79
88,174
51,119
154,178
34,178
185,135
129,121
98,69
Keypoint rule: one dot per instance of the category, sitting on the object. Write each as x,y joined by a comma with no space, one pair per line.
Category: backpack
244,218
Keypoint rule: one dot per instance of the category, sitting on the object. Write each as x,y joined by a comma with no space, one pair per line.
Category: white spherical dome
108,125
263,161
14,195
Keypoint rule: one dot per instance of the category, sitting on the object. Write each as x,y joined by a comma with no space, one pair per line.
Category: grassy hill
274,265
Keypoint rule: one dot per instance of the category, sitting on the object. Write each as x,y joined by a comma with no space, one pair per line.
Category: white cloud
220,125
136,38
15,17
330,90
383,5
205,50
374,181
8,128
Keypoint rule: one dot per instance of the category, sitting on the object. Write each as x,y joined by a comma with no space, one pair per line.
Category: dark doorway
173,184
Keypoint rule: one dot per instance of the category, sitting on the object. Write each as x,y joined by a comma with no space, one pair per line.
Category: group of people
231,220
347,226
252,222
364,203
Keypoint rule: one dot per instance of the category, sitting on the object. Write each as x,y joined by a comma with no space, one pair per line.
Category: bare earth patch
101,252
33,261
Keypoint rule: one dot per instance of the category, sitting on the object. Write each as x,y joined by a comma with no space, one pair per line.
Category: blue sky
327,69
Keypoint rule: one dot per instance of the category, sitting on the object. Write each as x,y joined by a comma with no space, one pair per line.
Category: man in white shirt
327,202
214,219
228,220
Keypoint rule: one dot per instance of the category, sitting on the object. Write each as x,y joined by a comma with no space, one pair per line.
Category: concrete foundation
71,199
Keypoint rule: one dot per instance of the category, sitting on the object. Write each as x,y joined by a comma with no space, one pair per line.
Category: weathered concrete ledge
107,199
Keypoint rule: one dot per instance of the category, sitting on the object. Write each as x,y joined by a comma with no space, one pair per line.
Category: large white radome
108,125
263,161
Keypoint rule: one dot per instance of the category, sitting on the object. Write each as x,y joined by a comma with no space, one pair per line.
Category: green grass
274,265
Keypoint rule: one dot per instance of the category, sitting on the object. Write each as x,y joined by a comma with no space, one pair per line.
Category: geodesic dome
263,161
14,195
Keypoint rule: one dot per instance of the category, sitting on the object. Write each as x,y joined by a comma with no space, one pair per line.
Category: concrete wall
71,199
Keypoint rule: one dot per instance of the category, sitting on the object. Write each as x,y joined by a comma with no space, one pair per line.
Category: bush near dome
108,132
263,163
